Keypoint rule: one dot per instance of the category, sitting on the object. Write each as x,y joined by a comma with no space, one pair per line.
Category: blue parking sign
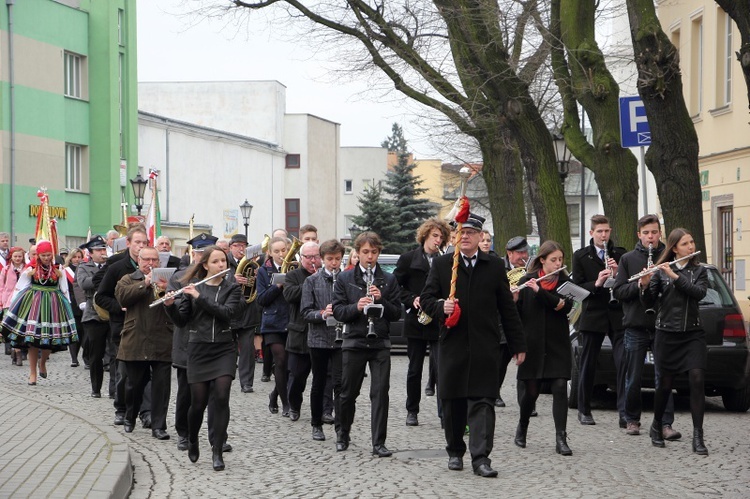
634,129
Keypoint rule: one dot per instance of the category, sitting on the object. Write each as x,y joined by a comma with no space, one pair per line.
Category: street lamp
246,208
354,230
139,189
562,153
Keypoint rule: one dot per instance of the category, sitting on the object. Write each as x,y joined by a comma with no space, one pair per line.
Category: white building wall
363,166
210,175
250,108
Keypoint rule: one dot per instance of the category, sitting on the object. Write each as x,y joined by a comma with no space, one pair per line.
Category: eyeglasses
310,257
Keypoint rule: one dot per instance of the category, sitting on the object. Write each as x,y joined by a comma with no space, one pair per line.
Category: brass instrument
422,316
248,268
649,264
653,269
182,290
610,282
289,262
537,279
372,310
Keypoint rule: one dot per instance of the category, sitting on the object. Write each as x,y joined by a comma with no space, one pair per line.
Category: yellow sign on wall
54,211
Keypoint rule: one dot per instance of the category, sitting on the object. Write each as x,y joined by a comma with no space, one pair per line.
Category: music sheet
572,291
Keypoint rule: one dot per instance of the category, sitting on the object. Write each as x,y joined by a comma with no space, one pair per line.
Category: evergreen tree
403,188
377,215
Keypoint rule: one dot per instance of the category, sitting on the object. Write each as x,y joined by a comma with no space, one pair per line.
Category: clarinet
610,282
649,264
330,320
373,310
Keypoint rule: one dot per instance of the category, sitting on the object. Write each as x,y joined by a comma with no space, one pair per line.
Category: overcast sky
173,48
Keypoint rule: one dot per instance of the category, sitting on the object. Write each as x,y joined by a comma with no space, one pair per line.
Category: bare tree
582,76
673,154
458,58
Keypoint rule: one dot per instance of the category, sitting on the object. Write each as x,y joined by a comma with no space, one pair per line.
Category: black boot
561,444
193,451
521,429
656,434
218,459
698,445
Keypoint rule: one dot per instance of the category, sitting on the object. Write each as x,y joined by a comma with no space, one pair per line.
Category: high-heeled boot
561,444
193,451
698,445
656,433
218,459
521,430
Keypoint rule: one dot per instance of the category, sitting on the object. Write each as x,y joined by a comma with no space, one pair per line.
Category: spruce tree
402,186
377,215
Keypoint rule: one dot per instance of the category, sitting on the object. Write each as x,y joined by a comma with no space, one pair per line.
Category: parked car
398,340
728,366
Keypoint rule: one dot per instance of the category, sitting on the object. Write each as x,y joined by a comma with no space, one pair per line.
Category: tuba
248,268
289,262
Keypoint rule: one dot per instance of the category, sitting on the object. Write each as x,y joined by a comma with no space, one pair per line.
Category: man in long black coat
469,357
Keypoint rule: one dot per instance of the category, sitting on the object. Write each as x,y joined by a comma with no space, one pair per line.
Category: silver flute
182,290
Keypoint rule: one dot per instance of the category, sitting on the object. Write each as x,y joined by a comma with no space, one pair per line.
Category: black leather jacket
678,299
207,318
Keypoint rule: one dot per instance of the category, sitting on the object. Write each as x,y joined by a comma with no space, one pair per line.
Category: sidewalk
46,451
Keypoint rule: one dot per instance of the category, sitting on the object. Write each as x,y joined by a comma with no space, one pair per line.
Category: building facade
69,110
716,96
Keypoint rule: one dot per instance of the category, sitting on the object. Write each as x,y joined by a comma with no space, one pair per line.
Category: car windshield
718,294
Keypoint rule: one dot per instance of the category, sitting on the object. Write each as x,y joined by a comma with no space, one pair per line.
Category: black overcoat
411,273
469,353
547,335
597,314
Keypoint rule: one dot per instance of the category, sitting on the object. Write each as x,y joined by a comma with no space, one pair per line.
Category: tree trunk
587,80
739,11
503,176
673,154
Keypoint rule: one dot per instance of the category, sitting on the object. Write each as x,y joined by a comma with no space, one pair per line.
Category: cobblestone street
274,457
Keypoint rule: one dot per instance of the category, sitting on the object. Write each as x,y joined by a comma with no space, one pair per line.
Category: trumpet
653,269
182,290
537,279
373,310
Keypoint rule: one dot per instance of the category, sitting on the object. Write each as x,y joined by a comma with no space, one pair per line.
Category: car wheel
573,382
736,400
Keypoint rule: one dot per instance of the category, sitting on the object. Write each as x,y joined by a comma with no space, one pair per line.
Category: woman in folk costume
40,315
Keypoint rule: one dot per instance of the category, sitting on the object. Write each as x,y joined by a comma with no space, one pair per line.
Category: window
73,167
72,75
120,27
696,67
291,215
574,218
292,161
728,59
348,188
726,249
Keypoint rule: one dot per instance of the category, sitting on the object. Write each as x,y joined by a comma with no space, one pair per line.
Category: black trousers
81,346
139,373
353,363
416,348
480,415
591,346
246,358
322,359
299,367
96,339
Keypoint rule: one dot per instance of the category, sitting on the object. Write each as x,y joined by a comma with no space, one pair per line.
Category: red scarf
547,284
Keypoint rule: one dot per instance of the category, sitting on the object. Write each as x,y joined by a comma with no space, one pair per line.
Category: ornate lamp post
139,189
246,209
562,153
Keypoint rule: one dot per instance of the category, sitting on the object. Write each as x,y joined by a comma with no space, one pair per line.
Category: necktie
601,254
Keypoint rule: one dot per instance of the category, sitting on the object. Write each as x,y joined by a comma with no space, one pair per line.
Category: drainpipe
11,81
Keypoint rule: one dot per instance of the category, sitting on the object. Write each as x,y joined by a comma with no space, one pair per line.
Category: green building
68,103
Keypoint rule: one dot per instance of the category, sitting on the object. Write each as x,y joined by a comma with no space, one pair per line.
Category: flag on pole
46,228
153,219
